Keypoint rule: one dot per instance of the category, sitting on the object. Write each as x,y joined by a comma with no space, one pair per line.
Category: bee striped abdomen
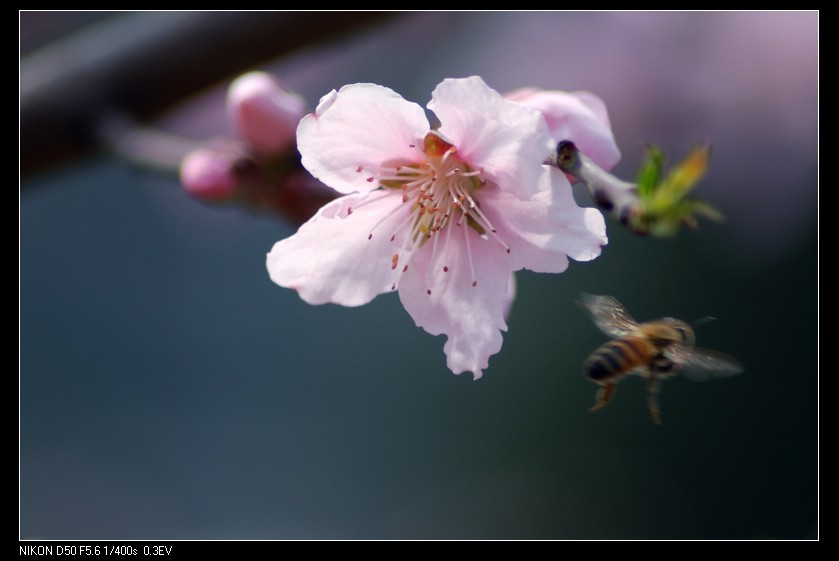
617,357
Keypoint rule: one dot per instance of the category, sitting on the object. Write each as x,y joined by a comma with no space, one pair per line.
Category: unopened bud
263,113
210,174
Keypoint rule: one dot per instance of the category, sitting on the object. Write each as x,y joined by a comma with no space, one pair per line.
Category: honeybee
655,350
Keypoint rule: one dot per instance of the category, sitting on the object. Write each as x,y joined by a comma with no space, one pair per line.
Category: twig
141,63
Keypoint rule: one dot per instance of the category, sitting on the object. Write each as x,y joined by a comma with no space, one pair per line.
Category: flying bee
655,350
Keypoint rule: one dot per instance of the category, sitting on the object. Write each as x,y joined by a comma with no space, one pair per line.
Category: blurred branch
147,147
656,204
141,63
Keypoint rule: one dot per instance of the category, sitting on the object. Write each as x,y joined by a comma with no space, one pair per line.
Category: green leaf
684,177
649,173
665,222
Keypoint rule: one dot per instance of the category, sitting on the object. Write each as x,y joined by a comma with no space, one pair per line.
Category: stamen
469,255
481,219
408,247
448,153
446,249
475,212
480,215
390,213
435,186
434,248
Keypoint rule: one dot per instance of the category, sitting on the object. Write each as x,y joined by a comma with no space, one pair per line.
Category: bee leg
604,394
653,385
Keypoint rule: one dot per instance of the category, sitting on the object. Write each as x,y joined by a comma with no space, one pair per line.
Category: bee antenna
703,321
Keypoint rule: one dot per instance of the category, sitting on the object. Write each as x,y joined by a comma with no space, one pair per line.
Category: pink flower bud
263,114
209,174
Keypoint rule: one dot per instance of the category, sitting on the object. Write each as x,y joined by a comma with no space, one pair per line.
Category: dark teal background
169,390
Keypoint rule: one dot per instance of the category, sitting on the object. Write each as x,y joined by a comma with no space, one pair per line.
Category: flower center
440,194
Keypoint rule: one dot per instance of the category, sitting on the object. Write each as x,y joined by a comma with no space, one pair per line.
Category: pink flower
445,217
577,116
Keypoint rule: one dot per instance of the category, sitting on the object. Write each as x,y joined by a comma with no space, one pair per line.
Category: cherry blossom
578,116
442,216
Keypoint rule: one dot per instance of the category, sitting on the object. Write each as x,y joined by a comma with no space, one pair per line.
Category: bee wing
608,314
702,364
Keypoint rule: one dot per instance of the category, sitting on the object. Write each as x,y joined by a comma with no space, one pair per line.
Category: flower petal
361,126
507,140
334,258
546,229
577,116
472,317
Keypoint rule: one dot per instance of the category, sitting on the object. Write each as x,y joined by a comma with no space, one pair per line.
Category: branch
657,204
141,63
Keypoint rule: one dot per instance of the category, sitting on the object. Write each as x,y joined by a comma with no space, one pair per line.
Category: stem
144,146
607,191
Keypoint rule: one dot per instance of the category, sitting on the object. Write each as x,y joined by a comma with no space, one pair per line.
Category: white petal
331,259
472,317
546,229
357,129
507,140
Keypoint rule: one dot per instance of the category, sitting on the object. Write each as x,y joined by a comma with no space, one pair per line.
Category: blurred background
168,390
